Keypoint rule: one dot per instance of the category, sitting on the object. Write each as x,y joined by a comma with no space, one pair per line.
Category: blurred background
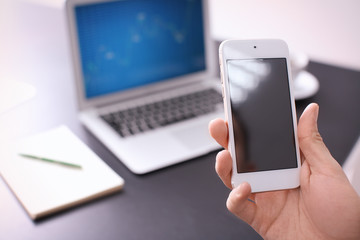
34,45
326,30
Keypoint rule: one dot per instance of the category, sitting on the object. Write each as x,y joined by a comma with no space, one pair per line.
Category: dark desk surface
185,201
338,98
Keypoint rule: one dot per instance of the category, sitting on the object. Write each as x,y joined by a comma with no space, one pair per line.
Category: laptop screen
131,43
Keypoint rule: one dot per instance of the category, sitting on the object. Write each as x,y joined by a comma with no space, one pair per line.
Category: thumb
311,144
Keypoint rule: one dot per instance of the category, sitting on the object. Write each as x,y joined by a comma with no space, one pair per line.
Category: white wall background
327,30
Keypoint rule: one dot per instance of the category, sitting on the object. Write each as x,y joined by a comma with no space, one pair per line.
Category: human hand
324,207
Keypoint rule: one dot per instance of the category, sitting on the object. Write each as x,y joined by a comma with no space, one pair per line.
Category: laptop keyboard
158,114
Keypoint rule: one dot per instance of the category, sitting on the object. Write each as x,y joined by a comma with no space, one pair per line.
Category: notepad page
43,187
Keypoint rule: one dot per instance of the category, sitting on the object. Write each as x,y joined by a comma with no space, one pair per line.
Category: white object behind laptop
160,147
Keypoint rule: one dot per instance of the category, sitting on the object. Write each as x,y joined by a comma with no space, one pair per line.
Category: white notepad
44,188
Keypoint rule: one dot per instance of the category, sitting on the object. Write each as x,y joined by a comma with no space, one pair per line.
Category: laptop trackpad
194,137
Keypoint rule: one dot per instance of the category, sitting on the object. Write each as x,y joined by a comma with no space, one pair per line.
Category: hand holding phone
325,196
260,111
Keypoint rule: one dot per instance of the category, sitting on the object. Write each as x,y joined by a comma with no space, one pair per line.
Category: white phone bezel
253,49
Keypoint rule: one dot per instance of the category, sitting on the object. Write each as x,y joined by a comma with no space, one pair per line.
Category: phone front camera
254,46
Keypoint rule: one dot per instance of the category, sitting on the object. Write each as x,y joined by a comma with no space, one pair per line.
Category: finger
223,167
311,144
238,203
219,131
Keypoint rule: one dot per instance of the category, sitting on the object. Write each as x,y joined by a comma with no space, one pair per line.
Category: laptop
144,73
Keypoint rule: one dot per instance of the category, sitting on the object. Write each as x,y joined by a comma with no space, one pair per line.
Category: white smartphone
261,115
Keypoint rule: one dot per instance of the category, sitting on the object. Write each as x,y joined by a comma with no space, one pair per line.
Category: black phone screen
261,114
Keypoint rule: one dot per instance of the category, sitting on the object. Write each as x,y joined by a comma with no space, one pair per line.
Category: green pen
51,160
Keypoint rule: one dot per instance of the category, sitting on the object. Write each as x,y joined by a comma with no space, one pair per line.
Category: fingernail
315,113
308,107
240,187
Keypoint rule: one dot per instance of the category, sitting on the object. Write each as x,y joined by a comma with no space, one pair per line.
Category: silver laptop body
135,42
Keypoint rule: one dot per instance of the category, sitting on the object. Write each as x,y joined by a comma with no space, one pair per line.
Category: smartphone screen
261,114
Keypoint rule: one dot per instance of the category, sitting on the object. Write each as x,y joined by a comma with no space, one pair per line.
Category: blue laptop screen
131,43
